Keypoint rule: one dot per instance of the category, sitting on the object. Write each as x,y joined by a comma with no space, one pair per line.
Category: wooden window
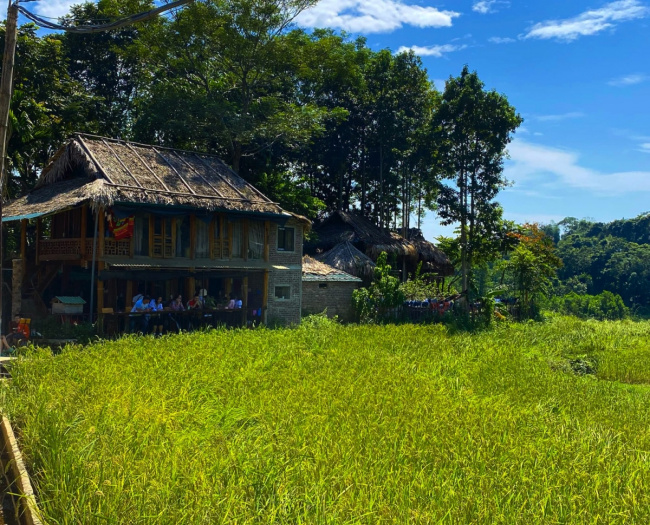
162,237
141,235
283,293
183,237
286,238
256,239
237,238
202,237
220,241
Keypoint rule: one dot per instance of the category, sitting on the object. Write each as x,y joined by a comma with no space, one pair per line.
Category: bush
384,294
603,306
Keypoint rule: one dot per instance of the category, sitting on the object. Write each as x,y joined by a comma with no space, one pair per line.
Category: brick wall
336,297
285,311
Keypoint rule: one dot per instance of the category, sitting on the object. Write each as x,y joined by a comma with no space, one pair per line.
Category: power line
140,17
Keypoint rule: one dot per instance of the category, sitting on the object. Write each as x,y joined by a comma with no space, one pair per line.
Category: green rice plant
332,424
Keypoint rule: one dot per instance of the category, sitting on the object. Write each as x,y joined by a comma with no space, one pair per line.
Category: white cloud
488,6
645,148
628,80
373,16
501,40
558,118
432,51
590,22
54,8
533,161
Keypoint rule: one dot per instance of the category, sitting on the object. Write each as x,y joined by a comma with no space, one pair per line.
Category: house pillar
23,244
265,297
17,287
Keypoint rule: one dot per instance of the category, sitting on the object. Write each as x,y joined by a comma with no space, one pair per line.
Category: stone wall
334,296
286,270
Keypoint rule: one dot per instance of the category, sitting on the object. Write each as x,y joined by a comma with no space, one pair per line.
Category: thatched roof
314,270
344,227
104,171
345,257
429,254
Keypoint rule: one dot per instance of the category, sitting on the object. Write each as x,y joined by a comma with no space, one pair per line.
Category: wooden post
38,236
244,301
100,289
192,236
228,287
84,227
23,243
245,239
129,295
100,235
267,237
265,297
11,34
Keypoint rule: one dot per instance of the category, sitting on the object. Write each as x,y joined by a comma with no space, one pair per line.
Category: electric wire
140,17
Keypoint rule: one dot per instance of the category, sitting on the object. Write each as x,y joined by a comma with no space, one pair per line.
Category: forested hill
611,256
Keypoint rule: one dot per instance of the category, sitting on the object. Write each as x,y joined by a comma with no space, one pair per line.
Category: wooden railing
59,249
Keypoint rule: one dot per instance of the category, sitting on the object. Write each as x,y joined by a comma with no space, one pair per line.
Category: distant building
327,288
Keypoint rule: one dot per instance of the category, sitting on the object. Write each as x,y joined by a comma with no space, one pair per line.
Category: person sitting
176,305
238,303
156,305
141,306
195,303
16,335
231,304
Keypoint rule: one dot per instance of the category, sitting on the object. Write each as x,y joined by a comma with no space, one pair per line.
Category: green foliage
471,130
605,305
335,424
384,293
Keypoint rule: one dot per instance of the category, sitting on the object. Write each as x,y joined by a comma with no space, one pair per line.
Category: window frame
275,292
284,237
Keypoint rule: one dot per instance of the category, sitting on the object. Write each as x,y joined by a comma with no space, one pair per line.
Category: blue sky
576,70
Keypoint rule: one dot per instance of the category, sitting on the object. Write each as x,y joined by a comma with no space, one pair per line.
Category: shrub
602,306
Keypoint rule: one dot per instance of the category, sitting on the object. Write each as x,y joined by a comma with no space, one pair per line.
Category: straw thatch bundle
345,257
103,171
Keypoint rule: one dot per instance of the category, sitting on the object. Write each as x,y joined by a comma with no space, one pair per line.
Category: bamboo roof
105,171
345,257
314,270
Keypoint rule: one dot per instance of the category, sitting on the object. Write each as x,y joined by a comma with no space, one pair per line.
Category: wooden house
109,219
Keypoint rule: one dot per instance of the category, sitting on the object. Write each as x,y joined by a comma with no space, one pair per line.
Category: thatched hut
345,257
327,288
346,227
113,218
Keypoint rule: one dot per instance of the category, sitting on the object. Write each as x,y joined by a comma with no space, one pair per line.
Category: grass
343,425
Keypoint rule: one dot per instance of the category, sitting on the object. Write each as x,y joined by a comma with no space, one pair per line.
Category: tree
532,266
224,78
471,130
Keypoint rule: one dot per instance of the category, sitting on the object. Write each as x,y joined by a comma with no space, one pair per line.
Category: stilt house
109,219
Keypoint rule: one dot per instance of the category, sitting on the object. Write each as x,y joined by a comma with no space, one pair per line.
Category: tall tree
224,79
471,130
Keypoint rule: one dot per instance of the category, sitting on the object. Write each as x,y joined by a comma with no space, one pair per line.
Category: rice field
530,423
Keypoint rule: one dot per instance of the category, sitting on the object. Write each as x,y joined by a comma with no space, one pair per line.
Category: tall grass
330,424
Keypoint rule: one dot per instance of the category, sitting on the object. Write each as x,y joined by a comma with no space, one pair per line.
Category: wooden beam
38,236
84,230
100,231
265,296
100,289
267,237
192,236
23,241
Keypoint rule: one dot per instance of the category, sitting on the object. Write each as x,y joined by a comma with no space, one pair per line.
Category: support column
38,237
17,287
265,297
23,244
84,228
101,234
100,289
244,301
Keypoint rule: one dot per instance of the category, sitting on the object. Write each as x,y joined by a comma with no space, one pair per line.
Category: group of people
153,309
18,334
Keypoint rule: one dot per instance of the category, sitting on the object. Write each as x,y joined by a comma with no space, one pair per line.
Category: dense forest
319,122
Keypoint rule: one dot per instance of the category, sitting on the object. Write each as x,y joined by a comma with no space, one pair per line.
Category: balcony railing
59,249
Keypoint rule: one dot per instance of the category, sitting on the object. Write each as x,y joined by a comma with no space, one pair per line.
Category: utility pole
11,35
